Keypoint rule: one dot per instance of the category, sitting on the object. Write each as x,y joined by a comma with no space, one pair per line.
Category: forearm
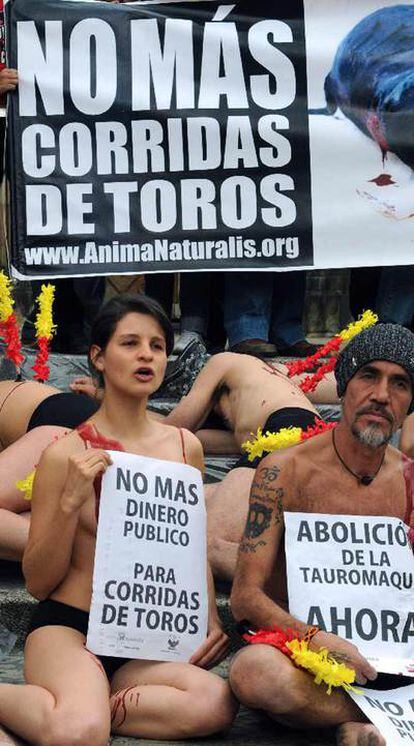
254,605
46,561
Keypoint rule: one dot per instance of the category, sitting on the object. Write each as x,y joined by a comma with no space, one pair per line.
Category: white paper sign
354,576
150,583
392,712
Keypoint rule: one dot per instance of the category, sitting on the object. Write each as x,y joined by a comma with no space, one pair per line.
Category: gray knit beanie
380,342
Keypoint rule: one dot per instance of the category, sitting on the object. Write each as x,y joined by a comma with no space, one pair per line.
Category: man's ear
95,356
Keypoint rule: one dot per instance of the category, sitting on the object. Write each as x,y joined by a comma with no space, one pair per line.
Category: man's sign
150,577
354,576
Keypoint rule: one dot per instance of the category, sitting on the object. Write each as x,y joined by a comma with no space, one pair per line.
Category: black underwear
65,409
55,613
286,417
214,421
385,681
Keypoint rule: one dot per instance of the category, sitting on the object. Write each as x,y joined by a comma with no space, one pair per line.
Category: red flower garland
273,636
296,367
319,427
9,330
40,368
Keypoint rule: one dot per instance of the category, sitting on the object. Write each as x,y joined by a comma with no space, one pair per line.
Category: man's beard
371,436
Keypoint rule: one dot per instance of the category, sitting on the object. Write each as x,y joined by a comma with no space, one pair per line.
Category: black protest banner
158,137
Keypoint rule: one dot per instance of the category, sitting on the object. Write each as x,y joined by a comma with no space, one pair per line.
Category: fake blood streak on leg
118,707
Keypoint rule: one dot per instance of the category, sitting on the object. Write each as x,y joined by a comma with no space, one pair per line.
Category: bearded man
351,470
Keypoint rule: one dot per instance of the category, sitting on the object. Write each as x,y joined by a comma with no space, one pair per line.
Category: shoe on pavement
182,371
184,339
257,347
302,348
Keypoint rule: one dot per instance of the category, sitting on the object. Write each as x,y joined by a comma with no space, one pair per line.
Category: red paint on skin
408,472
93,438
119,704
383,180
270,368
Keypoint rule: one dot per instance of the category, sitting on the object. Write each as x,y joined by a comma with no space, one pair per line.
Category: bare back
18,400
252,389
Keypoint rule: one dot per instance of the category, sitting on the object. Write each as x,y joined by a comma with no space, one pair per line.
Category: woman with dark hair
70,693
33,415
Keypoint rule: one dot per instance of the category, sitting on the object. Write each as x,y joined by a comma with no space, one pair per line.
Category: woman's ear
95,356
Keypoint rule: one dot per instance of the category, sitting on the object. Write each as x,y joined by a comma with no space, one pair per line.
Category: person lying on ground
32,415
349,471
70,693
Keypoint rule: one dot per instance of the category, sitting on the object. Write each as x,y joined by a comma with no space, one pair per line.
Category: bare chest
346,496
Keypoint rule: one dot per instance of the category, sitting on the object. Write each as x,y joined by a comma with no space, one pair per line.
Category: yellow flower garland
367,319
284,438
6,300
44,319
26,485
323,666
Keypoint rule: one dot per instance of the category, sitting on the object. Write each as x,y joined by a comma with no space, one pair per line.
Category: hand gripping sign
354,576
149,596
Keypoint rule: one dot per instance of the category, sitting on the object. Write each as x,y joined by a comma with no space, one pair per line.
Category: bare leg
145,694
226,517
66,699
292,698
14,530
16,462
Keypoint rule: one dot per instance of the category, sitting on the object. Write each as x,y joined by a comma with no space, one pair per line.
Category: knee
212,709
69,731
264,680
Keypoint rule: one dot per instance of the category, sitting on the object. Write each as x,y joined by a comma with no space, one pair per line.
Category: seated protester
69,692
349,471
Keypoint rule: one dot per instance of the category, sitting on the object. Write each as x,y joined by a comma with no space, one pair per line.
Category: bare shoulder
60,450
180,436
398,459
292,466
193,449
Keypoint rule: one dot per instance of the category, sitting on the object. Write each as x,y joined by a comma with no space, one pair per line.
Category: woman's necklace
364,479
